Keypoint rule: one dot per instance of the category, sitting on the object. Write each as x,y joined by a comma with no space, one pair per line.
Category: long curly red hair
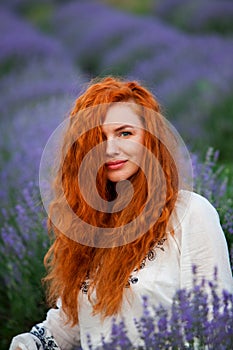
69,262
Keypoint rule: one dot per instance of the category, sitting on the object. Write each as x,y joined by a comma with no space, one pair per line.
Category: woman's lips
116,165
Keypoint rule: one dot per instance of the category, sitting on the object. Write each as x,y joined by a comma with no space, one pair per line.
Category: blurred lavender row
191,74
38,83
201,15
33,66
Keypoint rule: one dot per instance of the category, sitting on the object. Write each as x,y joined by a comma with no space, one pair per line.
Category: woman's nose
112,148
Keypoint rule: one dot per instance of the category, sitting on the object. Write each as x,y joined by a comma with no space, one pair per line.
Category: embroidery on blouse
47,342
151,255
85,286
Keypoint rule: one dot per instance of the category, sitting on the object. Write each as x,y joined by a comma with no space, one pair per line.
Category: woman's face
124,135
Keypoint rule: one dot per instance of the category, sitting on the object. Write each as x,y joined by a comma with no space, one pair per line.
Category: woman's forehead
123,113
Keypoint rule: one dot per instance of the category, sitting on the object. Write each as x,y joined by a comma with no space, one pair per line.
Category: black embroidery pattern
46,342
151,255
160,244
85,286
132,280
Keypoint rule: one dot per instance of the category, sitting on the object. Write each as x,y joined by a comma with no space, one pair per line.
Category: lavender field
48,52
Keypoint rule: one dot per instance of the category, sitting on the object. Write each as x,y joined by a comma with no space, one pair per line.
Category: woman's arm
53,334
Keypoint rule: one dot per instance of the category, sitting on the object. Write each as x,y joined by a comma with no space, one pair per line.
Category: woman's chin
123,174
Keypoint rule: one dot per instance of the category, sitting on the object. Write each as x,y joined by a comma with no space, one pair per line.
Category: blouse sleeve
204,246
52,334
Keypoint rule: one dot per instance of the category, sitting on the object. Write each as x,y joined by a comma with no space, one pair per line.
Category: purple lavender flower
26,147
202,16
36,83
11,244
119,338
211,181
21,42
187,325
48,71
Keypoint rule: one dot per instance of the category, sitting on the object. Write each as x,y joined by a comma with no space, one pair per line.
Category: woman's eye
125,133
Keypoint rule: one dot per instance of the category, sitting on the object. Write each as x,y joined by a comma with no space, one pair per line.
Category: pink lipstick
118,164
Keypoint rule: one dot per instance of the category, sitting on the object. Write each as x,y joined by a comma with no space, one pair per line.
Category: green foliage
135,6
21,270
39,14
220,129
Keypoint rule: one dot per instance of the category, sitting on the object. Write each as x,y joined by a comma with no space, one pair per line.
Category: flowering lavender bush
23,243
22,43
203,15
33,66
23,236
197,320
212,181
36,89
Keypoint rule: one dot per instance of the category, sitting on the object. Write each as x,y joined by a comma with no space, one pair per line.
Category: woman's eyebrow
123,127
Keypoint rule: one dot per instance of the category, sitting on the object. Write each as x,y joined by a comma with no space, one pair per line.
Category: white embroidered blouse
198,240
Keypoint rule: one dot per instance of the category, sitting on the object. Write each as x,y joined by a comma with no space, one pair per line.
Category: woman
125,220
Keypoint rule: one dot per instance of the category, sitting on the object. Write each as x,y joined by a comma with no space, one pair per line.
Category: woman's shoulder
193,203
192,212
